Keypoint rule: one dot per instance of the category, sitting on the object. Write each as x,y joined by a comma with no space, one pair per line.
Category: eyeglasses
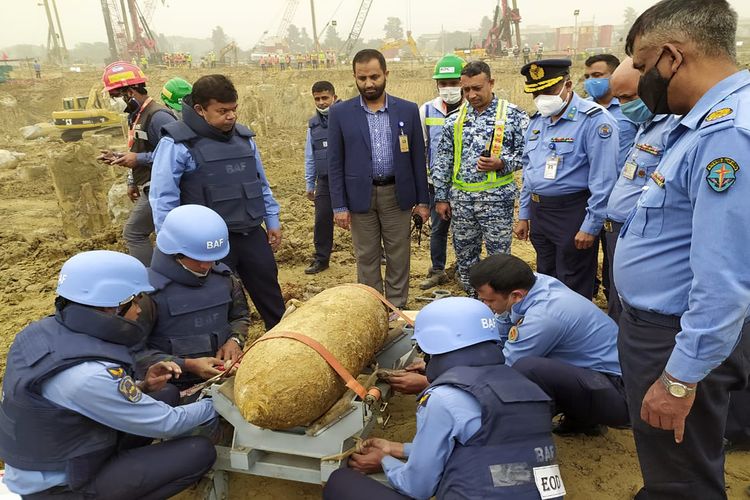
125,305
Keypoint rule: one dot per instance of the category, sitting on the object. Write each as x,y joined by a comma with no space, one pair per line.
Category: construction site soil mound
34,242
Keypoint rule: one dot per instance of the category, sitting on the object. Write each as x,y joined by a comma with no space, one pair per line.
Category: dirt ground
33,244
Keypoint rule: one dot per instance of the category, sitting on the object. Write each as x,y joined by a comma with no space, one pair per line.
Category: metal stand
295,454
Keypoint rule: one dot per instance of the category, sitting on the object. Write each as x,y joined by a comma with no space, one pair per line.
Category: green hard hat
173,92
449,68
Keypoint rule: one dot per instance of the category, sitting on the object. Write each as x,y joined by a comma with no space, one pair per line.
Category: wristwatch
237,339
676,389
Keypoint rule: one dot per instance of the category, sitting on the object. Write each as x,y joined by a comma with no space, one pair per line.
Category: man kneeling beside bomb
483,429
199,315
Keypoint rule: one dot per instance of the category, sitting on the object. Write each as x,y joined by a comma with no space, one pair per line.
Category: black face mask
653,90
131,105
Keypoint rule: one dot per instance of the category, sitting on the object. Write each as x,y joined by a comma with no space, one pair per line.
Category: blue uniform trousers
438,235
555,220
584,396
348,484
738,418
614,307
323,230
141,470
251,257
694,468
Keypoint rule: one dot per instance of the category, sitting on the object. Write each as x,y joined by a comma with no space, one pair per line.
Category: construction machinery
274,43
92,112
394,47
128,31
505,26
57,51
232,49
359,23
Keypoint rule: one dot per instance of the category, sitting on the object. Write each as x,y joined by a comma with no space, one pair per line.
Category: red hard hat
122,74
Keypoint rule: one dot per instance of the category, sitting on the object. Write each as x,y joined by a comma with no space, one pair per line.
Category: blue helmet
194,231
102,278
453,323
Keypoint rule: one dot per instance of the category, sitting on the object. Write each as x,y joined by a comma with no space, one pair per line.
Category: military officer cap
544,74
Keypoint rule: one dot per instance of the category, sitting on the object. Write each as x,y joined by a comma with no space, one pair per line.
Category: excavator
92,112
398,44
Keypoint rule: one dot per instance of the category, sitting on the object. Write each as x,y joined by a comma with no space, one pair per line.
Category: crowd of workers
312,60
648,166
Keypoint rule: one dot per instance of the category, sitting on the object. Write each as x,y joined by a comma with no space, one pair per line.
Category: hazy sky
246,20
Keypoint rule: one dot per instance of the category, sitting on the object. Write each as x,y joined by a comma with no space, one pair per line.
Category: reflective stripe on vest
493,181
434,121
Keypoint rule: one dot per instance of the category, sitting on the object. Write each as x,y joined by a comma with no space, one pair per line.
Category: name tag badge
550,168
403,142
548,482
628,171
141,134
325,144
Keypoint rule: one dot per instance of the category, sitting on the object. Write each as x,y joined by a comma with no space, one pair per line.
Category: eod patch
721,174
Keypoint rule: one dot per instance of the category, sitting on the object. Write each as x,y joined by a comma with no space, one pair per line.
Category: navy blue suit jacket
350,155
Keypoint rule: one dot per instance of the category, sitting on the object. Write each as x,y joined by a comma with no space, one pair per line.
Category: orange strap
131,130
324,353
385,301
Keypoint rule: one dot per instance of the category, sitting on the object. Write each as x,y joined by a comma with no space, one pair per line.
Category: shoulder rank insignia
513,333
719,113
116,373
721,174
605,131
594,111
423,400
658,178
129,390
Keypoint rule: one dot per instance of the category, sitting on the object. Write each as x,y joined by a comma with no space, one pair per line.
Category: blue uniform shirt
627,130
449,415
171,161
89,389
554,322
310,174
642,160
683,249
586,145
379,124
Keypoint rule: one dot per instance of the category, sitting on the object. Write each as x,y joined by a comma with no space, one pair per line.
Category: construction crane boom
505,24
359,23
286,19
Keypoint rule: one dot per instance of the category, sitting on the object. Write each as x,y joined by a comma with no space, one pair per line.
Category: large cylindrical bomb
283,383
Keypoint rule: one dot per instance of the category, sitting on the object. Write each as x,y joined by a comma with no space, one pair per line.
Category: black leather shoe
316,267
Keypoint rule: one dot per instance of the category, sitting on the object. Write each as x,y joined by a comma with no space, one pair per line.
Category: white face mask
322,111
450,95
550,105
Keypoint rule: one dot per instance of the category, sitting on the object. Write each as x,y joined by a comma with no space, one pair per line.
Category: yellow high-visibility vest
492,181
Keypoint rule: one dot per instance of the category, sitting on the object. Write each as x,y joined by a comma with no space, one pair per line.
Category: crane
359,23
268,43
505,24
132,37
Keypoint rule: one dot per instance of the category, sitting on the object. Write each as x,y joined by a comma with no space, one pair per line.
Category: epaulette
593,111
722,114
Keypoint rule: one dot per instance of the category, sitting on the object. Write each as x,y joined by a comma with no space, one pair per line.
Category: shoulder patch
423,400
719,113
116,373
604,131
129,390
593,111
721,174
513,333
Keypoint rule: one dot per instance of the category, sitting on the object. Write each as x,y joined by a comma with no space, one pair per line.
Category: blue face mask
636,111
596,87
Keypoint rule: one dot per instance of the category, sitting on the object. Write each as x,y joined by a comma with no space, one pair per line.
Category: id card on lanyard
131,131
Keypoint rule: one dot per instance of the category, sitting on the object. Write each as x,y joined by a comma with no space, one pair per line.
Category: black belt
560,200
610,225
384,181
664,320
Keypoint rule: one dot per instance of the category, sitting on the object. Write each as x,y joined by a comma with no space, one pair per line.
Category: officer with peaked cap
464,446
570,158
